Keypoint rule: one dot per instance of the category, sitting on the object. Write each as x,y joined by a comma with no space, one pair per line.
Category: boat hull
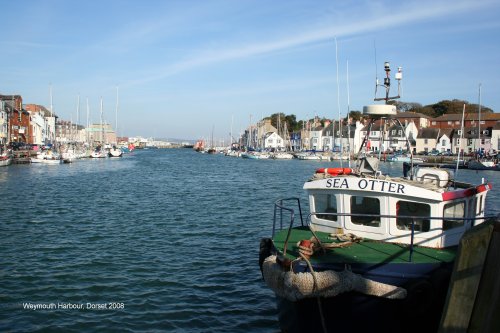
420,311
478,165
356,310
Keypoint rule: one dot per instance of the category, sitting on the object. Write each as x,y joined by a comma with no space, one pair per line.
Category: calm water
161,240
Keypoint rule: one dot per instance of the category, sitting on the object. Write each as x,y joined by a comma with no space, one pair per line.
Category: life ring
335,171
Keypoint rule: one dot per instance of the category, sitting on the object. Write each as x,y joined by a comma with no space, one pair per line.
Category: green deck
366,252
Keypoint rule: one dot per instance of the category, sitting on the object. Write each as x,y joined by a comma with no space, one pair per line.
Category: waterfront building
454,120
4,122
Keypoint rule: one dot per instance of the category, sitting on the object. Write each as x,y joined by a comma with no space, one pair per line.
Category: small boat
115,152
483,165
376,252
98,152
404,158
47,157
282,155
309,156
5,160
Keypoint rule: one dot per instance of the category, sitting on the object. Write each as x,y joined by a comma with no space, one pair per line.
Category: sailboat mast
77,114
51,114
348,121
116,112
479,120
102,127
88,115
461,140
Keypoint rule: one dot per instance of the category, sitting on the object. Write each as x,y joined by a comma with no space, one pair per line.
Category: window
482,122
469,142
365,205
453,210
449,122
433,123
393,132
457,122
426,141
400,133
414,209
373,133
443,142
326,203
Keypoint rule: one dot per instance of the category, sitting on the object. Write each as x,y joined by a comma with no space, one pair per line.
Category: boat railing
280,208
412,218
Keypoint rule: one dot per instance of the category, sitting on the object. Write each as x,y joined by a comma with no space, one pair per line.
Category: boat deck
365,252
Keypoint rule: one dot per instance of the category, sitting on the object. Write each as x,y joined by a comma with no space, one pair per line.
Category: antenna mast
387,83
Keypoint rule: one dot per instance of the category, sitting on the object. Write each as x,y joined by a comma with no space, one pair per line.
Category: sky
192,69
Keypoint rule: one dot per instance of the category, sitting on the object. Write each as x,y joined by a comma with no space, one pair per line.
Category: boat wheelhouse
396,209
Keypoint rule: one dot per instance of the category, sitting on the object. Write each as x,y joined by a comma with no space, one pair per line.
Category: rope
323,323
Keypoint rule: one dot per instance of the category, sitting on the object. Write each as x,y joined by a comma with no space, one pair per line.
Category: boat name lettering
336,183
381,185
367,184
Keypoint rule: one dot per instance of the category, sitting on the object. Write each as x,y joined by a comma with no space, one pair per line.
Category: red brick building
470,120
19,120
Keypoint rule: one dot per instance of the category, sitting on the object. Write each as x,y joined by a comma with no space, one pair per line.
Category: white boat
282,156
115,152
376,251
98,152
404,158
47,157
308,156
5,160
255,155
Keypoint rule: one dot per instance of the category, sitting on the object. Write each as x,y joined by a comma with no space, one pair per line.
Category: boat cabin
429,210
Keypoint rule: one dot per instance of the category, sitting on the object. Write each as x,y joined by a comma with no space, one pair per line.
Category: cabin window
419,211
326,203
365,205
453,210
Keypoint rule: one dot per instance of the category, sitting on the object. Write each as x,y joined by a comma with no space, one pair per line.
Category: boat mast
77,115
88,115
102,128
461,140
479,120
116,112
338,106
348,122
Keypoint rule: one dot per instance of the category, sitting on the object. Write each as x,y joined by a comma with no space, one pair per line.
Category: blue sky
185,68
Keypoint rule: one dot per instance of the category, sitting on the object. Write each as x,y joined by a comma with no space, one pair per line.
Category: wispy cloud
375,19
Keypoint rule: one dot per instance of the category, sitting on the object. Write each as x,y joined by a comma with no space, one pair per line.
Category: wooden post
473,298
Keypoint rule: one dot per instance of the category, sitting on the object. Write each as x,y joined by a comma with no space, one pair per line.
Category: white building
273,141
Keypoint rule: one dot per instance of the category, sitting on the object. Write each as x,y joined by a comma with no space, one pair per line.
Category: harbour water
159,240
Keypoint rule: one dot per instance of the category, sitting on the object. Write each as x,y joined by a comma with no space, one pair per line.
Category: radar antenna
387,84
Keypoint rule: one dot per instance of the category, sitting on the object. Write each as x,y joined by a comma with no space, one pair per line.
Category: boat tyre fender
334,171
295,286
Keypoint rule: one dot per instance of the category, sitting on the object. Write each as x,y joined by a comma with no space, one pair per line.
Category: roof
468,116
428,133
448,132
